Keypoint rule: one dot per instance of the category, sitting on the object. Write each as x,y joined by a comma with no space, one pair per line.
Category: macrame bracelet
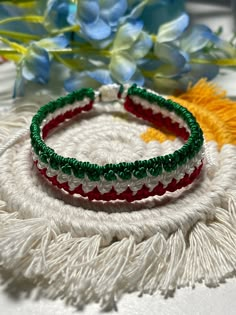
126,180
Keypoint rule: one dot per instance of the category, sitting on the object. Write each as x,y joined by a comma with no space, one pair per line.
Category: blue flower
58,13
130,45
199,36
193,43
171,59
179,67
99,19
35,63
139,41
88,78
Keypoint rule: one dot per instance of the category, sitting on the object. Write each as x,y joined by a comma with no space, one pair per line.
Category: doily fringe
83,270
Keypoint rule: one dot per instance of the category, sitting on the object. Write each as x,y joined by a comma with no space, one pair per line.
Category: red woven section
62,117
157,120
128,194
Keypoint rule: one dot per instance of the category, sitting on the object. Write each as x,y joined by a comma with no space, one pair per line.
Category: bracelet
123,181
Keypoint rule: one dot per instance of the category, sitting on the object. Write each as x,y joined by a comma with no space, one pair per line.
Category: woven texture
125,180
95,251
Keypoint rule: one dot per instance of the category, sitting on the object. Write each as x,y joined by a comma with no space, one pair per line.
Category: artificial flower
180,69
143,41
91,78
199,36
57,13
99,19
35,63
171,60
130,45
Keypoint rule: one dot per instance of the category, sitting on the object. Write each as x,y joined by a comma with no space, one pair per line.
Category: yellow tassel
215,113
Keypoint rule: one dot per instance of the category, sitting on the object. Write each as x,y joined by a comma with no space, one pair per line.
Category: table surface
19,299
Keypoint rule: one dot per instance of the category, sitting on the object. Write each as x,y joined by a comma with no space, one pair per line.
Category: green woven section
138,169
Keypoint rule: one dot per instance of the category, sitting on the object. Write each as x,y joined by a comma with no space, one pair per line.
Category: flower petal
137,78
173,29
112,10
169,54
100,75
56,14
122,67
168,71
196,38
142,46
98,30
199,36
36,65
136,10
127,35
199,71
88,11
72,18
54,42
79,80
159,12
150,64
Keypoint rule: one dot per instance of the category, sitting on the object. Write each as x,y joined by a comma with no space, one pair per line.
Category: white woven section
109,93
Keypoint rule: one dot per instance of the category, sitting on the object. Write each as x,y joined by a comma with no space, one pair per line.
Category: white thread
211,161
21,133
109,93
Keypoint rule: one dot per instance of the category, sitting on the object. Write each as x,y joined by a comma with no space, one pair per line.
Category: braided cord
139,102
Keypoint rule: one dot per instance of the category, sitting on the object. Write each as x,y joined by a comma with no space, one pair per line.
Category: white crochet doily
94,251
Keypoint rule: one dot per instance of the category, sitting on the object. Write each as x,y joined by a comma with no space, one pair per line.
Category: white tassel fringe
82,270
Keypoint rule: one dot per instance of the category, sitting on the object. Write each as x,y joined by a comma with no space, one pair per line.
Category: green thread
110,175
121,89
125,171
140,173
66,169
